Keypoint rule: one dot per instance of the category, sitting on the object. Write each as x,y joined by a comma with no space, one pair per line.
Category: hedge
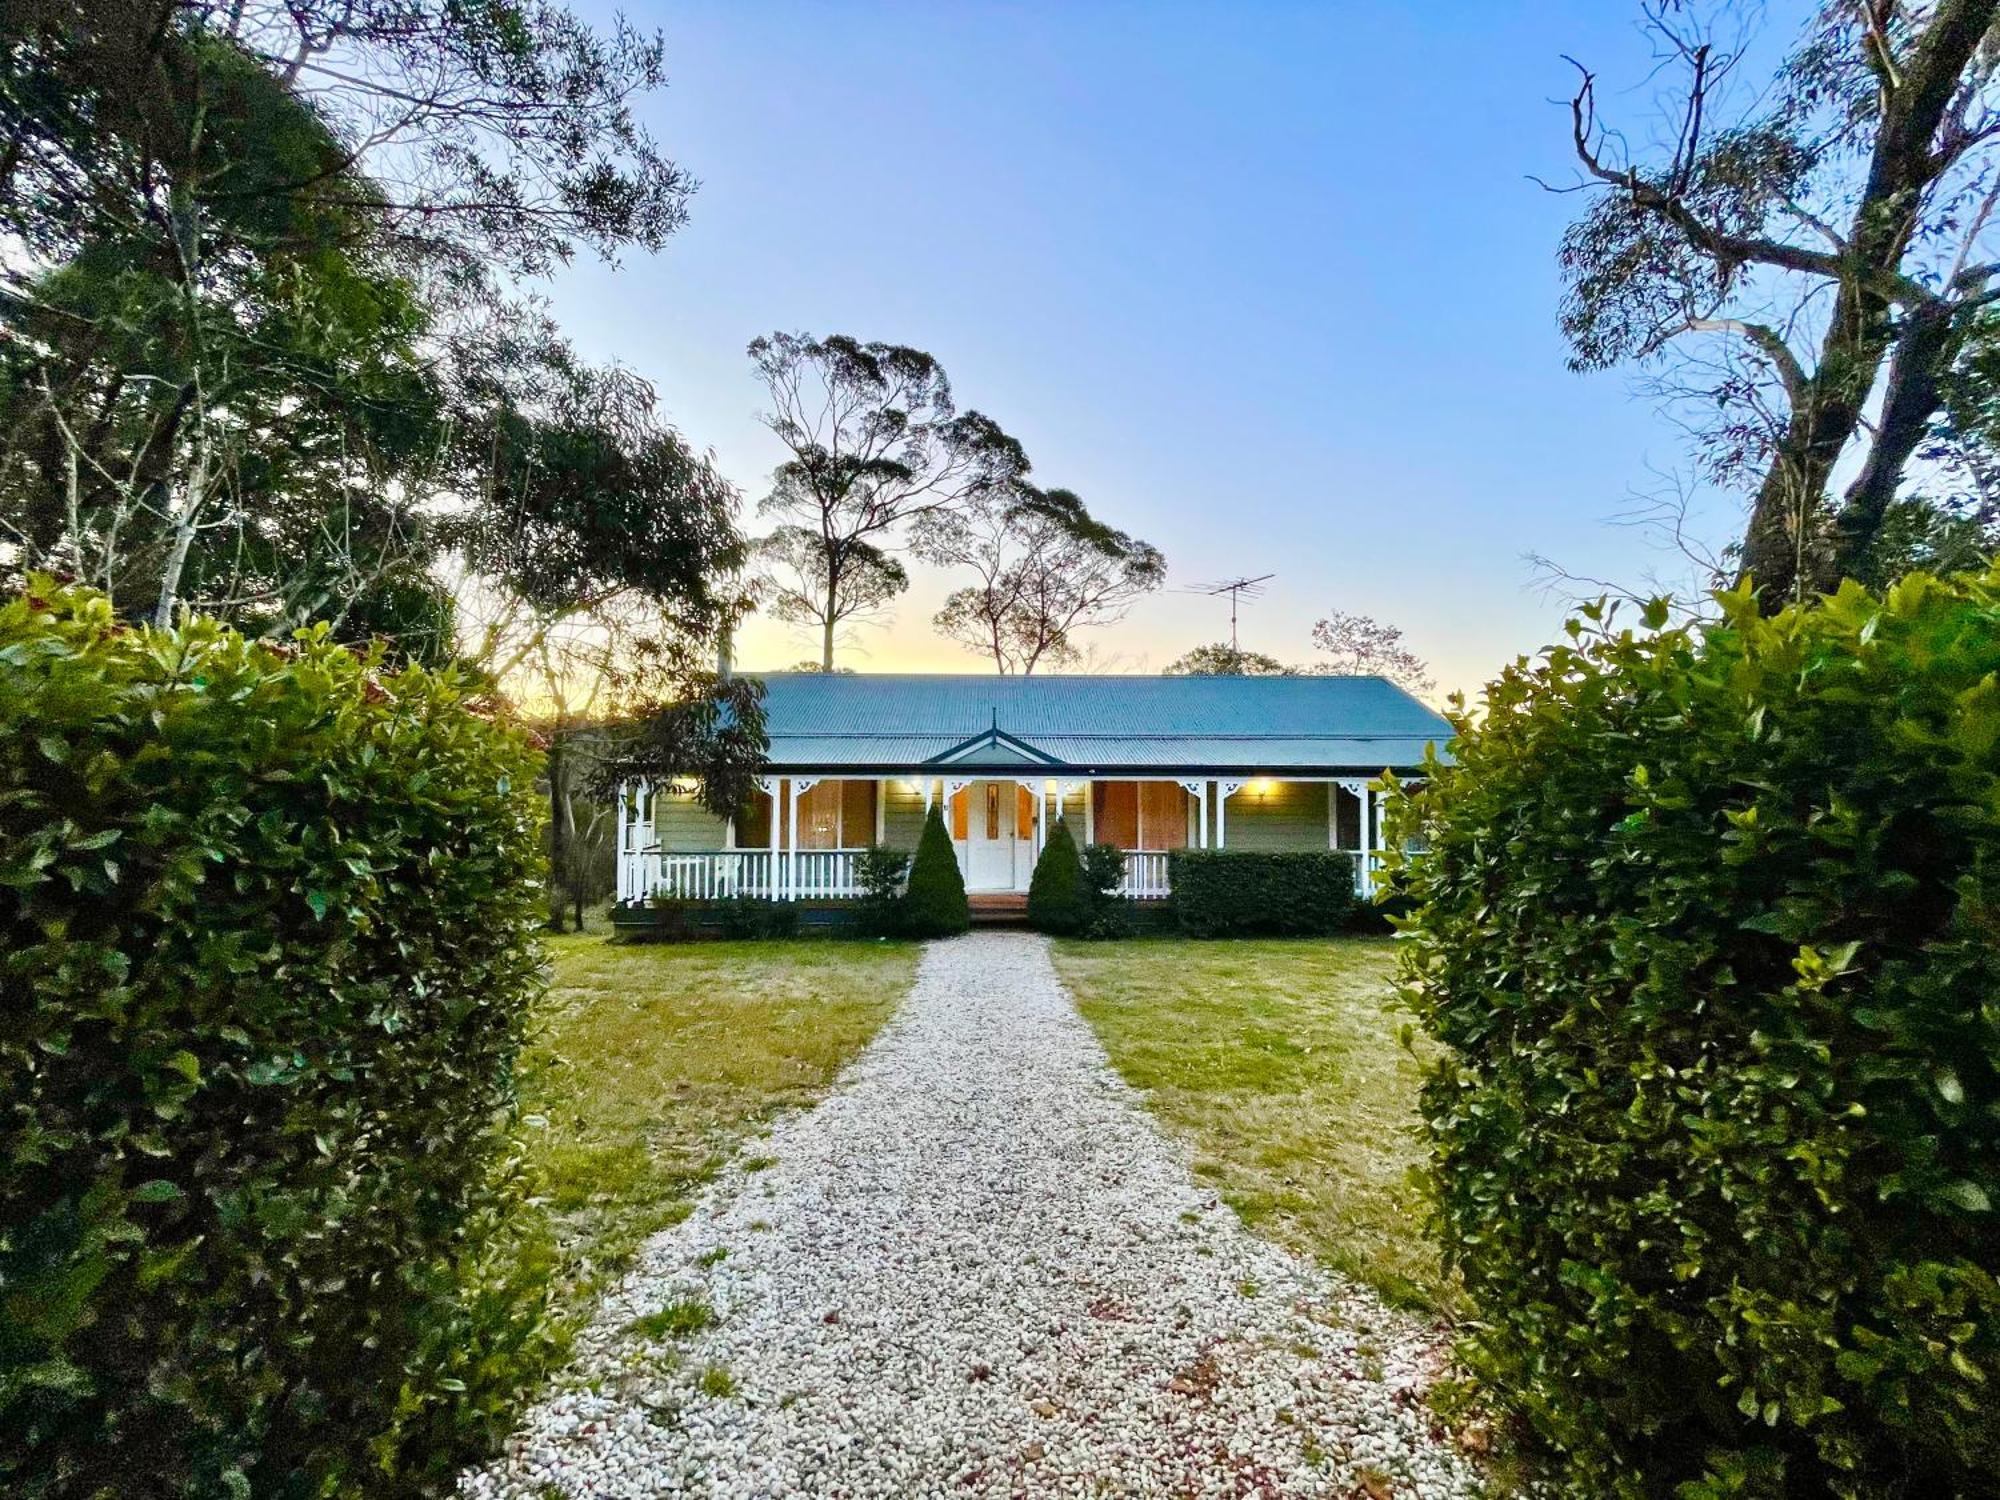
1240,893
1057,899
1709,931
934,904
266,946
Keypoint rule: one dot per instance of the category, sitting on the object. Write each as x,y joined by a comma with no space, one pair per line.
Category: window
1141,814
832,815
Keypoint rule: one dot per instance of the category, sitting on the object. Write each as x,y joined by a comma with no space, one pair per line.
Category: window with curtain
832,815
1140,814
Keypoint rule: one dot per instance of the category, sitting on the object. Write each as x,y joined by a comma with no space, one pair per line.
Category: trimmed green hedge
266,947
1057,900
934,905
1240,893
1709,931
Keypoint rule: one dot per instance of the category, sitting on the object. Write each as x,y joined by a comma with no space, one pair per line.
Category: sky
1267,285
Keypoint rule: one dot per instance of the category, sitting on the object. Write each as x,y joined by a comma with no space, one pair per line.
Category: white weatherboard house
1151,764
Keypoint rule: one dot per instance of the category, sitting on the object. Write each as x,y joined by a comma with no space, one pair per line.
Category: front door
991,837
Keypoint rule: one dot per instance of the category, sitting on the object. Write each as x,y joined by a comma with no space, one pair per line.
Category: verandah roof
1097,724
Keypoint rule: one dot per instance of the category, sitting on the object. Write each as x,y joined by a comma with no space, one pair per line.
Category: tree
1044,569
1220,659
875,444
251,262
1058,900
1358,646
934,905
1800,263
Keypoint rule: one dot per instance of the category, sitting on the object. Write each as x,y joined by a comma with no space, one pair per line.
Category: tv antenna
1237,589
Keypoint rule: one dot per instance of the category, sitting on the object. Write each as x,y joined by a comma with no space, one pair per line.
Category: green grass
1278,1061
654,1063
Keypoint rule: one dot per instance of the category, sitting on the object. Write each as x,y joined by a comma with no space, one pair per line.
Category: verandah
801,837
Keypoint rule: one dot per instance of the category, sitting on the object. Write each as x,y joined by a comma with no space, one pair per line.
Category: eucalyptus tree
874,444
1800,260
1362,646
252,254
1043,569
1221,659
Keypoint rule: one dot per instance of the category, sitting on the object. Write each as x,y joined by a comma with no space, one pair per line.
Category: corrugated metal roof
1254,723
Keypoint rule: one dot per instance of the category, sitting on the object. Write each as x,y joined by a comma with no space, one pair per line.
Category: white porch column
927,784
1090,811
772,786
881,808
1224,790
1199,791
1364,873
792,841
625,881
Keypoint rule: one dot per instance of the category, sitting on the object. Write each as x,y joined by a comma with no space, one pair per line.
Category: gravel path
978,1268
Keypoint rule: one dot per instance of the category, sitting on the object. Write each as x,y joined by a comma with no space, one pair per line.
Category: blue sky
1266,284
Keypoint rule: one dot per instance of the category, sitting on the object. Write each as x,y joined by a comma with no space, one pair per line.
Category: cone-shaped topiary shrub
934,905
1057,899
1707,930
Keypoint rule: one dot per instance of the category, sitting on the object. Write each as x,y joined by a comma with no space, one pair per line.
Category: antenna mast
1236,589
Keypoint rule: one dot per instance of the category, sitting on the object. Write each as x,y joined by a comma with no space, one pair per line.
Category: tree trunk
1913,396
558,835
826,642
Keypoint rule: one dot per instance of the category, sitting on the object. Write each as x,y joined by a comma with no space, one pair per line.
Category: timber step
998,908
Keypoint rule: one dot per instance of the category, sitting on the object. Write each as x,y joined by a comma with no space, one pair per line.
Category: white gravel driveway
978,1268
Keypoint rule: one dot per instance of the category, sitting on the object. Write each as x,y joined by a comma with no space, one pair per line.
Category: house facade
1150,764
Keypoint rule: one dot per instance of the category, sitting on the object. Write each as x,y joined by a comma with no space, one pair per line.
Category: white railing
1145,874
721,875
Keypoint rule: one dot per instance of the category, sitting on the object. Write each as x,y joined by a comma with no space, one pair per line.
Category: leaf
1969,1196
1948,1087
159,1190
318,902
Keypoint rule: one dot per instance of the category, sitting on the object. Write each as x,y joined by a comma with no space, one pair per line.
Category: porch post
1224,790
881,808
1367,839
625,881
1090,810
792,841
776,788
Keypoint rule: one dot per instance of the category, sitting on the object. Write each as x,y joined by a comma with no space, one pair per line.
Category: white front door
991,862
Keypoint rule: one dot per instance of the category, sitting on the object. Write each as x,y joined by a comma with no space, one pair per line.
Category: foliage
1242,893
1108,912
1220,659
713,735
881,872
1359,646
1045,568
258,352
1706,927
1057,899
934,905
1803,260
266,936
876,443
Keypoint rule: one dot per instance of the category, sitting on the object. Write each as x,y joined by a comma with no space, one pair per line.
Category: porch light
1261,786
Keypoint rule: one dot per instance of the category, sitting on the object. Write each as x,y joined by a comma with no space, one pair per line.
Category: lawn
1279,1062
655,1062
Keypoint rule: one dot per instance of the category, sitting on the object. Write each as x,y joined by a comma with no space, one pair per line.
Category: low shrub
1057,900
267,951
881,872
935,904
1708,930
1108,913
1242,893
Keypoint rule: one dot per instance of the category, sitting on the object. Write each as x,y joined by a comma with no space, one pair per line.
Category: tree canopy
1805,268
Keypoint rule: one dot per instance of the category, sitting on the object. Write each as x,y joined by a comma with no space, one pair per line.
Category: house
1151,764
